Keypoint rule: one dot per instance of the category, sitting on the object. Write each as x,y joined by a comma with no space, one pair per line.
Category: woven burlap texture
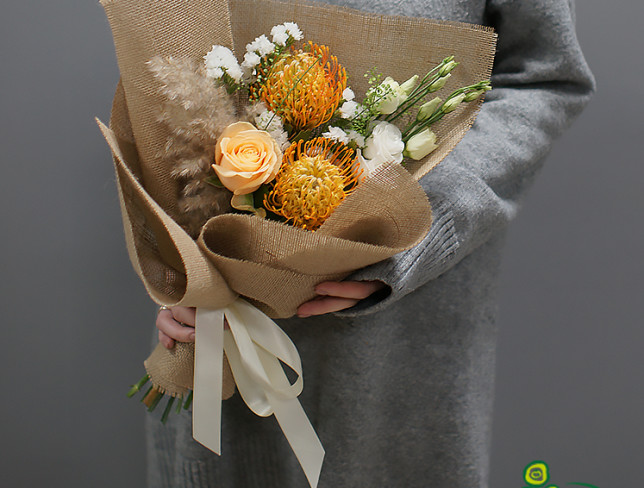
273,265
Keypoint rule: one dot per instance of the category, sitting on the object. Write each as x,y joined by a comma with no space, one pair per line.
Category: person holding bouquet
400,356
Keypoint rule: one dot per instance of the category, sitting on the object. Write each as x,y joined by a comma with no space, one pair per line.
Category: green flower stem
425,79
146,394
188,402
179,405
137,387
410,102
422,89
168,409
415,127
157,396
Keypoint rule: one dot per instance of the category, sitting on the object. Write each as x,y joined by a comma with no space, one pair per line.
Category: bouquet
245,182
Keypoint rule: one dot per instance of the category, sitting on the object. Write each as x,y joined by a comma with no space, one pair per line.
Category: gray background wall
76,322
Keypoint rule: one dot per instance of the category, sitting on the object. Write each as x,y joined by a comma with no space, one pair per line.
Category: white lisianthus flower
365,164
420,145
348,109
357,137
348,94
280,36
261,45
336,134
221,60
293,30
395,96
384,145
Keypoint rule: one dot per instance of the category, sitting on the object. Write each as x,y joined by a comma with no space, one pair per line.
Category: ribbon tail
300,435
206,407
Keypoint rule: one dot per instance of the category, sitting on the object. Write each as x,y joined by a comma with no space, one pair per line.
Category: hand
176,324
335,296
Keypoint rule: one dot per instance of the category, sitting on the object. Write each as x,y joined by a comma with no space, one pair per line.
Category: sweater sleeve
541,82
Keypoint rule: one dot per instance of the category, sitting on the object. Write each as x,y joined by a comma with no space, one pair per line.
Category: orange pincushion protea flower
316,176
304,88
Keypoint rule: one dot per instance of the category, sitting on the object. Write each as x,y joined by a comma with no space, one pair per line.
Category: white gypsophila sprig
281,138
268,120
348,109
261,45
336,134
280,36
272,123
221,60
293,30
251,60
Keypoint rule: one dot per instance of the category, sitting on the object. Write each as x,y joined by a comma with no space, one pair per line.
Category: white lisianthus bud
408,86
395,96
445,70
452,103
439,83
427,109
473,95
420,145
384,145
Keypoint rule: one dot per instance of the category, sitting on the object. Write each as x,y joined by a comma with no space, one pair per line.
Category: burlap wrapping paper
273,265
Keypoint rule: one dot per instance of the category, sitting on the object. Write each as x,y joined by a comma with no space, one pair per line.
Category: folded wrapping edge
204,285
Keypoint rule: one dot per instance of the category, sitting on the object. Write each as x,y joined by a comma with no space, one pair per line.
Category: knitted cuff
408,270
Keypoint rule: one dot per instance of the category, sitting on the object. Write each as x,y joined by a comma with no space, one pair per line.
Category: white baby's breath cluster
255,51
283,35
283,32
272,123
251,60
221,61
349,108
346,137
336,134
261,46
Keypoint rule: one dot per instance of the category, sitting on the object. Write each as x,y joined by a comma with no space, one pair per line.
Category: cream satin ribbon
254,345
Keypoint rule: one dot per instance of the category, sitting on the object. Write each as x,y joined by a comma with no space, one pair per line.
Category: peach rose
246,158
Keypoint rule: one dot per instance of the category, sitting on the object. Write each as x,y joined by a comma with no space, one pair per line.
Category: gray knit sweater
400,388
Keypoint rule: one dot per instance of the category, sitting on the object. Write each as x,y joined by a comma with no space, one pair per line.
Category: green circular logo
536,473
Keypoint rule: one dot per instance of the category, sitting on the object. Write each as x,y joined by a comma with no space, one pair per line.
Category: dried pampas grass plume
196,111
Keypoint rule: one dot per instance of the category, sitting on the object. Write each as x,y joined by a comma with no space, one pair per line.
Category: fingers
349,289
322,305
184,315
168,325
167,341
336,296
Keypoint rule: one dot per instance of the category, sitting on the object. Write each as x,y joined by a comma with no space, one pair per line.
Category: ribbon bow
254,345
